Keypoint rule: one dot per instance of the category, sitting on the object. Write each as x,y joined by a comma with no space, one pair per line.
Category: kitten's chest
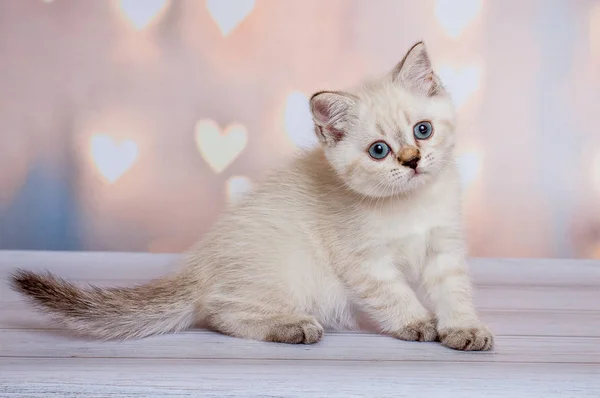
399,236
396,227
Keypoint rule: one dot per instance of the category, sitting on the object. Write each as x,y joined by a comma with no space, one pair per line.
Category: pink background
128,125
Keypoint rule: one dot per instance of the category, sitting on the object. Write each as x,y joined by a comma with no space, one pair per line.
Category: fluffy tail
160,306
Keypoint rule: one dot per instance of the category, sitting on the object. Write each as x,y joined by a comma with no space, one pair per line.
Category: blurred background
129,125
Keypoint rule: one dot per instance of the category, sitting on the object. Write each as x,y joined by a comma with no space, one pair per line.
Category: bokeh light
469,165
142,12
463,81
237,187
111,158
455,15
297,120
228,14
220,147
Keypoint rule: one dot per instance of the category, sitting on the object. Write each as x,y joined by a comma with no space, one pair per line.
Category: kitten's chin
395,189
413,182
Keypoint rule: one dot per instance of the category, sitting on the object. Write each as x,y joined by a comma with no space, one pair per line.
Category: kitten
349,225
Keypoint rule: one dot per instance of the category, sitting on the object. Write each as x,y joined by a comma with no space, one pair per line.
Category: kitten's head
391,136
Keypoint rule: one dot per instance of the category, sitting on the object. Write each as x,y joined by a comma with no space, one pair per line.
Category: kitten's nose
413,163
409,157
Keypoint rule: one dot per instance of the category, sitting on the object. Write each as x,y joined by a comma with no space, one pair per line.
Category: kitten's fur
333,231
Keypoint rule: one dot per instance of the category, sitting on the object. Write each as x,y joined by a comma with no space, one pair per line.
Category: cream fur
332,232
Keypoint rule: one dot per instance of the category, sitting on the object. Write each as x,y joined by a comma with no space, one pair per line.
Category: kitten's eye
423,130
379,150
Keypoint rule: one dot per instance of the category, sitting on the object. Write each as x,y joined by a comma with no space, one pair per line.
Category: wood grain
200,344
546,314
244,378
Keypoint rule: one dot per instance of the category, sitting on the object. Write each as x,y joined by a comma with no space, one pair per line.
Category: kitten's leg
385,295
281,328
448,285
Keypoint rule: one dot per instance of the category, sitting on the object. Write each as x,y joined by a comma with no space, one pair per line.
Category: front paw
478,338
423,330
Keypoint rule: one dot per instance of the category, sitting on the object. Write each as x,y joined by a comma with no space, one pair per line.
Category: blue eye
423,130
379,150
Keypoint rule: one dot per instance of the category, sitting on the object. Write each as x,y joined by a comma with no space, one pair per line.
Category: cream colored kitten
352,224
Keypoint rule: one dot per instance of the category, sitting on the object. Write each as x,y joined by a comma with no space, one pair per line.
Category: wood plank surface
545,313
79,377
344,346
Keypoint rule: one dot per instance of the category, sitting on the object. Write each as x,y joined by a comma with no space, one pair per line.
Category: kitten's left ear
415,72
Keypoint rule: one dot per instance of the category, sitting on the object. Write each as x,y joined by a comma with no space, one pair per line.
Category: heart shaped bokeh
219,148
111,158
228,14
461,81
142,12
455,15
298,121
469,167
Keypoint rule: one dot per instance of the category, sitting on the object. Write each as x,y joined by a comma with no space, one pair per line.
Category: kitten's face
393,136
397,143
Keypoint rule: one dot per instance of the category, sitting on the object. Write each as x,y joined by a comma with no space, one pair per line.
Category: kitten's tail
160,306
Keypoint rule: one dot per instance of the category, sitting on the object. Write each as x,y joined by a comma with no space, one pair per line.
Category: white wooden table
546,314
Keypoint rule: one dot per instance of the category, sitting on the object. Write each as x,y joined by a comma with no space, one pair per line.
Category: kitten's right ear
331,111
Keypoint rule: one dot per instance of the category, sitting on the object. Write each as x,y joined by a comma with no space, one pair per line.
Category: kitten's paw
417,331
306,331
478,338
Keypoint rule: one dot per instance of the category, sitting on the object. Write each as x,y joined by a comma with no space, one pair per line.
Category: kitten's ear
415,72
331,112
